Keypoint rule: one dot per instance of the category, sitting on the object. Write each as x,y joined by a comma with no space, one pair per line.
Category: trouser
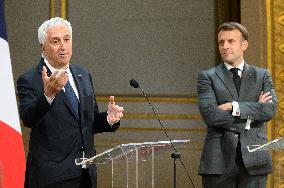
239,178
84,181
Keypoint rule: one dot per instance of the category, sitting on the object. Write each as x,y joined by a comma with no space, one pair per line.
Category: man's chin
64,61
228,61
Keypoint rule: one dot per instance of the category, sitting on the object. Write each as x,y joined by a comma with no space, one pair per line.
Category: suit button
236,135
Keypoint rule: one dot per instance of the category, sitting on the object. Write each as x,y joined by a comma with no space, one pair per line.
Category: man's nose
63,45
226,44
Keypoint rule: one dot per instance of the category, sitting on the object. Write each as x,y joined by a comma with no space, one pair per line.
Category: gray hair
42,30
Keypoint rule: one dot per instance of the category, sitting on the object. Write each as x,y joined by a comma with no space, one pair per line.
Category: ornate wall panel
275,30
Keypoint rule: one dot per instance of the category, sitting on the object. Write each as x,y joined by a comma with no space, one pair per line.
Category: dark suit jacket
55,138
215,87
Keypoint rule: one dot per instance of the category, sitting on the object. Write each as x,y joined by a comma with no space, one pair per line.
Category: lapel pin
79,76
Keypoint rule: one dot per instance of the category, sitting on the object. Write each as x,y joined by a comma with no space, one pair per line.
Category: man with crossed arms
235,100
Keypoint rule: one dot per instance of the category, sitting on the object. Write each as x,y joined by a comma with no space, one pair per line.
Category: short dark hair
229,26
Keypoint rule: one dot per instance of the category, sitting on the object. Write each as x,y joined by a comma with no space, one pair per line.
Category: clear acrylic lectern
130,152
276,144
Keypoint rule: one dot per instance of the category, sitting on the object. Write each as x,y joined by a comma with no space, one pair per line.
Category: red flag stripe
12,155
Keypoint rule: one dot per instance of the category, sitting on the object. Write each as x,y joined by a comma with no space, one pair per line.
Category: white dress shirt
236,109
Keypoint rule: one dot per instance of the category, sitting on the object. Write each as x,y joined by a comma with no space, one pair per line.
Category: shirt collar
52,69
240,66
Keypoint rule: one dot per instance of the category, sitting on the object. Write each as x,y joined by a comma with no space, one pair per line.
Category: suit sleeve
33,104
208,106
259,111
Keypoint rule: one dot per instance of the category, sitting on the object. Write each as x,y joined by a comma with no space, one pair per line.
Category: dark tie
236,78
72,97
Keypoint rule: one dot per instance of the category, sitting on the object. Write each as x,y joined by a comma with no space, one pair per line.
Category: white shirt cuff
49,99
236,109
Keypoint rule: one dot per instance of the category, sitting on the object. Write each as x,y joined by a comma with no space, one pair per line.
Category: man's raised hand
53,84
115,112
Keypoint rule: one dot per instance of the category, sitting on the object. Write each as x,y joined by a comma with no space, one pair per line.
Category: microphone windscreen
134,83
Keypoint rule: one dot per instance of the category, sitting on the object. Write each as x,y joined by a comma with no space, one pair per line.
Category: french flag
12,155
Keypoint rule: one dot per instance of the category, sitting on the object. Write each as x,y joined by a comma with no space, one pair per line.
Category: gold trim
275,51
180,130
269,66
51,8
162,116
268,21
64,9
165,99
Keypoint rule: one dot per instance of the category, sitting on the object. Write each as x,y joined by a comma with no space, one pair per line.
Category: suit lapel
227,78
78,79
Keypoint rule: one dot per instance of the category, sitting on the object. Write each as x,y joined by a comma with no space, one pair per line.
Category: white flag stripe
8,111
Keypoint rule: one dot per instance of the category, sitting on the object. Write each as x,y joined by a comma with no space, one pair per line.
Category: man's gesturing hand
115,112
54,83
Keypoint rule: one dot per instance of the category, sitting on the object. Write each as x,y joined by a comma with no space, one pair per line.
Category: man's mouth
226,53
63,55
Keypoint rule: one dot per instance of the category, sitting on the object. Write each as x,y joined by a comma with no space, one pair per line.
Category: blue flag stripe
3,33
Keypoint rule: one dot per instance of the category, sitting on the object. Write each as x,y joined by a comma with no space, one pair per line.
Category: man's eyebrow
56,37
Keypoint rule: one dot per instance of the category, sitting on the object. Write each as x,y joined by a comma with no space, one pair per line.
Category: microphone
134,83
174,155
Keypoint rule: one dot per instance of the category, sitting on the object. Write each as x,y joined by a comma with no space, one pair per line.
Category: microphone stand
175,155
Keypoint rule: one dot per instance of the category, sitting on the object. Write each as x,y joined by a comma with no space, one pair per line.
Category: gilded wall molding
155,99
52,8
58,8
275,31
165,99
163,116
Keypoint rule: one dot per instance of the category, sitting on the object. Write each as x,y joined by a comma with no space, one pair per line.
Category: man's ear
42,47
244,45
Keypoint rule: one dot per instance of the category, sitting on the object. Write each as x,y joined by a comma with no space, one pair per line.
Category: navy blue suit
57,135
